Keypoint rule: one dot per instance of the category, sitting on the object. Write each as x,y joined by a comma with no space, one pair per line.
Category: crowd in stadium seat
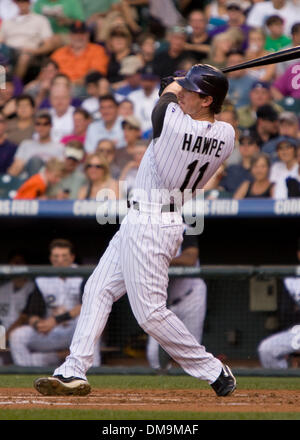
82,78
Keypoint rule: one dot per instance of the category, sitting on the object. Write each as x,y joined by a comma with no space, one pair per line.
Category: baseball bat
272,58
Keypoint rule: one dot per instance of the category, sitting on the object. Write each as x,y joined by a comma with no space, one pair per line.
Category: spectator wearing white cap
73,177
130,69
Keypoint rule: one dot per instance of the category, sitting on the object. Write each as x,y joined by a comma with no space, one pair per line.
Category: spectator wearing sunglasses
32,154
99,178
107,148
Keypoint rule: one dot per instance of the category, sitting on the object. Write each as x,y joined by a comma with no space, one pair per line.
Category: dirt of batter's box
157,400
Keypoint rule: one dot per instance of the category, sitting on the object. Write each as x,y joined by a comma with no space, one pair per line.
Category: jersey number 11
191,168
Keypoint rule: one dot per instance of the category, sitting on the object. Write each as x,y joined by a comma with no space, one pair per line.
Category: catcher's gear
206,80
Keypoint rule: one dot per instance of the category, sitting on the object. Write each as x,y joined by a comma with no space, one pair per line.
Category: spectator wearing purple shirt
7,148
236,20
288,84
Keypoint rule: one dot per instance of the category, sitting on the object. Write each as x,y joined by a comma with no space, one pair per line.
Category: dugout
233,329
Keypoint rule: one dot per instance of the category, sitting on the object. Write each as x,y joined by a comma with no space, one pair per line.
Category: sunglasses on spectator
91,165
43,124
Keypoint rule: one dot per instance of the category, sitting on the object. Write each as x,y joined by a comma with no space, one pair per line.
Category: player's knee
153,320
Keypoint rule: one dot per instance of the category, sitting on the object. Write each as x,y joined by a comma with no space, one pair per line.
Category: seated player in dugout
47,323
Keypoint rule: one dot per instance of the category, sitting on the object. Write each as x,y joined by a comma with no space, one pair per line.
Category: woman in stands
261,186
99,178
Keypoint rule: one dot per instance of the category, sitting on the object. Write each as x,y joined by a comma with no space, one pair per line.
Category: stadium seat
9,186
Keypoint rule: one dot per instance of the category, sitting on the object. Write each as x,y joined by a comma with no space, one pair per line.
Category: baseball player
186,298
188,147
274,350
13,297
50,314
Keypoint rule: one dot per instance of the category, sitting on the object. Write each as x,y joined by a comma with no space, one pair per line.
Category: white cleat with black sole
62,386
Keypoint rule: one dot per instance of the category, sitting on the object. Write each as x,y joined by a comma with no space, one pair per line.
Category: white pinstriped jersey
185,155
12,301
293,287
60,295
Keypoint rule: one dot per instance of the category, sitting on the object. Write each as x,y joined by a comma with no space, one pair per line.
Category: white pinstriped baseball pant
137,262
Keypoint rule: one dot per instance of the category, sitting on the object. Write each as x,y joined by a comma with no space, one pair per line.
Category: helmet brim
189,85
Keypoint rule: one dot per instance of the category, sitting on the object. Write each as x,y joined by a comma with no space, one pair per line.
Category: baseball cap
267,113
260,85
132,121
148,73
78,27
131,65
74,153
250,136
233,5
288,117
287,140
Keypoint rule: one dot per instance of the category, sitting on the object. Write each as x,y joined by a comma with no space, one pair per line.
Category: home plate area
157,400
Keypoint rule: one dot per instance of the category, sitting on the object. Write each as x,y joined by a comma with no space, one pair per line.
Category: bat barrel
272,58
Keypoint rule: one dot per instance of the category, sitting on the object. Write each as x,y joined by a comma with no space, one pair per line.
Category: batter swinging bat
272,58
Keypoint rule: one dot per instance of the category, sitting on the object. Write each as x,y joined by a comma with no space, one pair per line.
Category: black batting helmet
206,80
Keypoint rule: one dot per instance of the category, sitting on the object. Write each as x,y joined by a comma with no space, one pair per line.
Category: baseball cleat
225,384
62,386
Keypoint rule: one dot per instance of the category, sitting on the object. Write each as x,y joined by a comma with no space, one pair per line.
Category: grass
161,382
69,414
147,382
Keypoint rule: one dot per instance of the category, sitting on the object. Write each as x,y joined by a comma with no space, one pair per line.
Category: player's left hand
46,325
169,79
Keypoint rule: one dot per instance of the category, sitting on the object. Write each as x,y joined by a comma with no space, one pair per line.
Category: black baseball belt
176,301
164,208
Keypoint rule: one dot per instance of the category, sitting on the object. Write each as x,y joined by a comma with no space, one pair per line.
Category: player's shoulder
225,126
44,282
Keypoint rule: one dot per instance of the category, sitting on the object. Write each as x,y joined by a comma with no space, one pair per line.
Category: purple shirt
289,83
244,28
7,152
